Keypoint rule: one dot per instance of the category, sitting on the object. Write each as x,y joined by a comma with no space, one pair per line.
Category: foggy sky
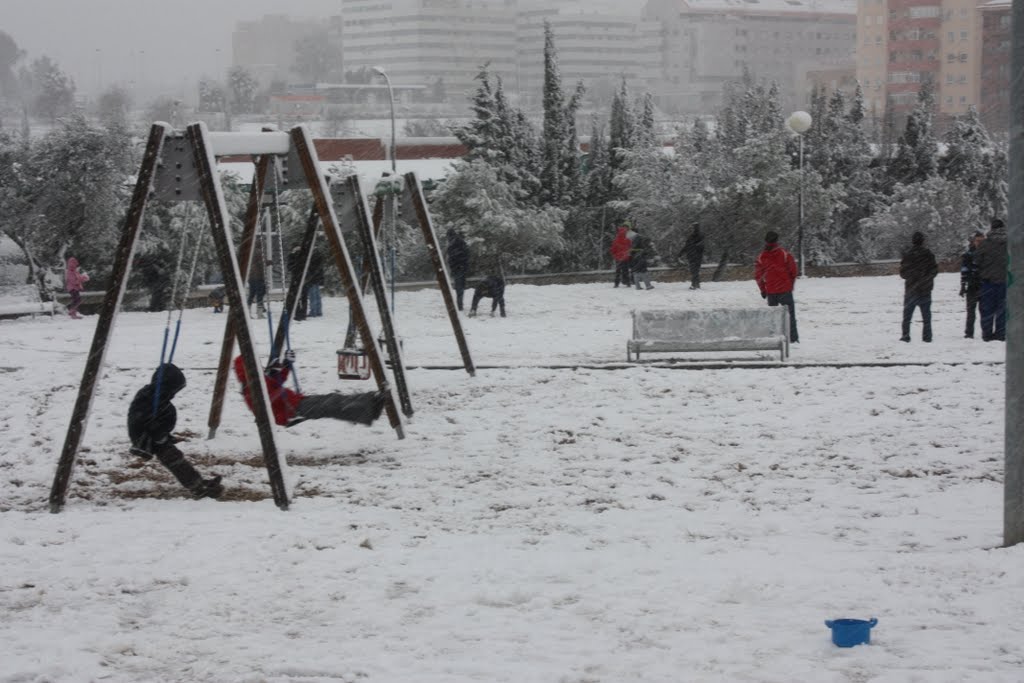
168,44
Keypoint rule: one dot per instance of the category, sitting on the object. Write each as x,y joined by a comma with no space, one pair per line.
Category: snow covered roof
774,6
369,172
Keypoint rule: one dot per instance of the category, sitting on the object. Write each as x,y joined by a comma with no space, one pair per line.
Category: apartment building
903,43
599,45
266,47
996,41
422,42
706,43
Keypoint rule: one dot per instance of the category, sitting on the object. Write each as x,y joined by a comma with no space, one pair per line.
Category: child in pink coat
74,282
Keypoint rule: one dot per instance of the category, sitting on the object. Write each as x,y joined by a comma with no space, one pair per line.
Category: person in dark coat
693,252
295,268
291,407
992,259
970,281
918,270
150,431
458,263
639,253
620,254
314,281
257,280
775,274
492,287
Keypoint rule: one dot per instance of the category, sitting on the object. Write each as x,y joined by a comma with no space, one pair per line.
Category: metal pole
1013,479
800,225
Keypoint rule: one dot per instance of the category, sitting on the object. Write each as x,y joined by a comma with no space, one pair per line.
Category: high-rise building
599,45
707,43
994,85
431,42
904,43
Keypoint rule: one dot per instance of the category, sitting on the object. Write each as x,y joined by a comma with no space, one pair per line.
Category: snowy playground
562,517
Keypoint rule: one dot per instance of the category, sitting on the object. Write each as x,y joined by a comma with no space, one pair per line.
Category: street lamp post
800,122
393,198
391,100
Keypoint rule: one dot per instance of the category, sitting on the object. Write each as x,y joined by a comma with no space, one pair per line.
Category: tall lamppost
392,203
391,99
800,122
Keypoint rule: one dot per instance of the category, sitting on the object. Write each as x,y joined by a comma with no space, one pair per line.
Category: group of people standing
631,251
982,283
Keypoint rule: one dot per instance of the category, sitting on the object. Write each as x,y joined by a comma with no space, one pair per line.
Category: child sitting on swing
150,430
291,407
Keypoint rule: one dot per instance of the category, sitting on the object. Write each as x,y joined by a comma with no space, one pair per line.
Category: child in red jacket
291,407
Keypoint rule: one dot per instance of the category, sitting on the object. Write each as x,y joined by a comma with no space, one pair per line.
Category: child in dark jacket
492,287
151,419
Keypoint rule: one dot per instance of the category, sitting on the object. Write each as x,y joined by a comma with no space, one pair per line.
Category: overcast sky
102,42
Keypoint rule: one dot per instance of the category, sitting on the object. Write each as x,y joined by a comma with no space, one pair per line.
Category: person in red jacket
775,274
291,407
620,249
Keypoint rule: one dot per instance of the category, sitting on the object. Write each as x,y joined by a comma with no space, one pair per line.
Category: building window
949,79
925,12
951,36
963,99
963,36
963,57
949,99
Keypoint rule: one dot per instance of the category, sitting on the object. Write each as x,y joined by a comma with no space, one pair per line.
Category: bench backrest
715,323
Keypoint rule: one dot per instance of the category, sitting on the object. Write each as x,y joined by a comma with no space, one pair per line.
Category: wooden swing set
181,167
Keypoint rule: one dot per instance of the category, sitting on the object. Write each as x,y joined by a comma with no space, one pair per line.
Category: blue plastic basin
850,632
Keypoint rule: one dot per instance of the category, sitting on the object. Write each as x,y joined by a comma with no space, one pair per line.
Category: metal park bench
23,300
718,329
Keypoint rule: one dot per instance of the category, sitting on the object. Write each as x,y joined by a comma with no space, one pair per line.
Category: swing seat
353,364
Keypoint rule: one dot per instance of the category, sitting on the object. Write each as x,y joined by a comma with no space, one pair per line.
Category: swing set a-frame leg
419,204
235,288
303,145
245,249
375,272
107,316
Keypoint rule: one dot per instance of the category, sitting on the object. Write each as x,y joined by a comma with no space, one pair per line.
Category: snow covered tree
114,106
243,87
622,126
503,137
916,150
502,231
10,55
646,133
66,196
939,208
211,95
51,92
559,141
972,159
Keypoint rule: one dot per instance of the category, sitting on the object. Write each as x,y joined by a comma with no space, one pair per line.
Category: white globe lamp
799,122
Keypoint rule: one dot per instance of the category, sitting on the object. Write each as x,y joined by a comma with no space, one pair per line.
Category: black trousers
175,462
622,273
695,274
459,282
788,301
973,299
357,408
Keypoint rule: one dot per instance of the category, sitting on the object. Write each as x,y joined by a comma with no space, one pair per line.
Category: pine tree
622,133
974,161
479,135
553,136
917,149
646,133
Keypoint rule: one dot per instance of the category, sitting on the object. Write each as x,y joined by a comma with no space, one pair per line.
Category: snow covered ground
588,523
